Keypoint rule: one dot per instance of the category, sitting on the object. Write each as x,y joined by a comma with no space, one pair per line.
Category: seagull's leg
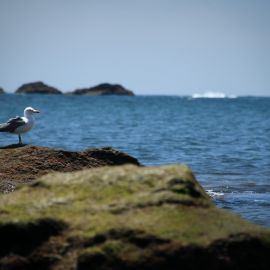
20,139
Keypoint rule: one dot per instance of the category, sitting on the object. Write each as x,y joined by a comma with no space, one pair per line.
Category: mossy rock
126,217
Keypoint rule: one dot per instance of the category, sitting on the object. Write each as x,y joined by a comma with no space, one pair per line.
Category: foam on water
212,94
214,194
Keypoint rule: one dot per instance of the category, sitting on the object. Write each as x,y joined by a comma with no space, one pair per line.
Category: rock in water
26,163
2,91
125,217
37,88
104,89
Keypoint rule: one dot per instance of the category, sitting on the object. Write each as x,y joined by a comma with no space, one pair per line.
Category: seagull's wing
12,124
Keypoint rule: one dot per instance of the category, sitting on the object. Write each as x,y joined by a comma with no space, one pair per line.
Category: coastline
124,216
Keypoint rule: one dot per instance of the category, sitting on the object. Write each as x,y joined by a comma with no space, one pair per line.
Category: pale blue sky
150,46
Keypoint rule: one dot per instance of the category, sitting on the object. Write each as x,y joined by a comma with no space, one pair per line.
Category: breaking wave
214,194
211,94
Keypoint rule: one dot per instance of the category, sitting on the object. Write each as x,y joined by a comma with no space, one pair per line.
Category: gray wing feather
11,124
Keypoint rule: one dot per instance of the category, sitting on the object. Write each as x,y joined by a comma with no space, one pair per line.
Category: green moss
165,201
115,251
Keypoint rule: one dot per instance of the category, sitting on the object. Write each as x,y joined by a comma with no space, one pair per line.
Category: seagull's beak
36,111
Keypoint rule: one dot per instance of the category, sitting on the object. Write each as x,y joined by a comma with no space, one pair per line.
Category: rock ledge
26,163
124,217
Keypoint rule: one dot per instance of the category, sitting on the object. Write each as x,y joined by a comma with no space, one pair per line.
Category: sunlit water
225,141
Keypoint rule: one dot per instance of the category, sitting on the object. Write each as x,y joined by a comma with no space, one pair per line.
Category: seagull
19,125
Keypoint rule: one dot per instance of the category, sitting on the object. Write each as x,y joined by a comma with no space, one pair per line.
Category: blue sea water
225,141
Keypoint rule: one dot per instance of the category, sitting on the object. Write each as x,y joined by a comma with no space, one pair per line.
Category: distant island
2,91
102,89
37,88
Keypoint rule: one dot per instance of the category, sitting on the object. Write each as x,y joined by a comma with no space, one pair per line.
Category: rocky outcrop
2,91
37,88
125,217
104,89
26,163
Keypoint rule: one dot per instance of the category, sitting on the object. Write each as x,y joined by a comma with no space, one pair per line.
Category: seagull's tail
3,127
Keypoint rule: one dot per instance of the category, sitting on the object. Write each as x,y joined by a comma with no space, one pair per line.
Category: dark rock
2,91
15,262
104,89
37,88
24,163
23,238
250,253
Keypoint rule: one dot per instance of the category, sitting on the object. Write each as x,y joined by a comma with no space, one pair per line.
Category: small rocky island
98,90
104,89
2,91
116,217
37,88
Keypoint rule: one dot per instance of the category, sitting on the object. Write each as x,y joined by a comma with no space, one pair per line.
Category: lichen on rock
130,217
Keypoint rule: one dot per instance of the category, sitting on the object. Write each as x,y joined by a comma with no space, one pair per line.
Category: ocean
226,141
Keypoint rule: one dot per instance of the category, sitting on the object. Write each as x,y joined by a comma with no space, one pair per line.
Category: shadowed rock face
2,91
24,164
124,217
37,88
104,89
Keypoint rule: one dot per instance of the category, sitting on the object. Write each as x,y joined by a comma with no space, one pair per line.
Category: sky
160,47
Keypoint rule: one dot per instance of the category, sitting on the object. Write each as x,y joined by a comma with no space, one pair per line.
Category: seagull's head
30,111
